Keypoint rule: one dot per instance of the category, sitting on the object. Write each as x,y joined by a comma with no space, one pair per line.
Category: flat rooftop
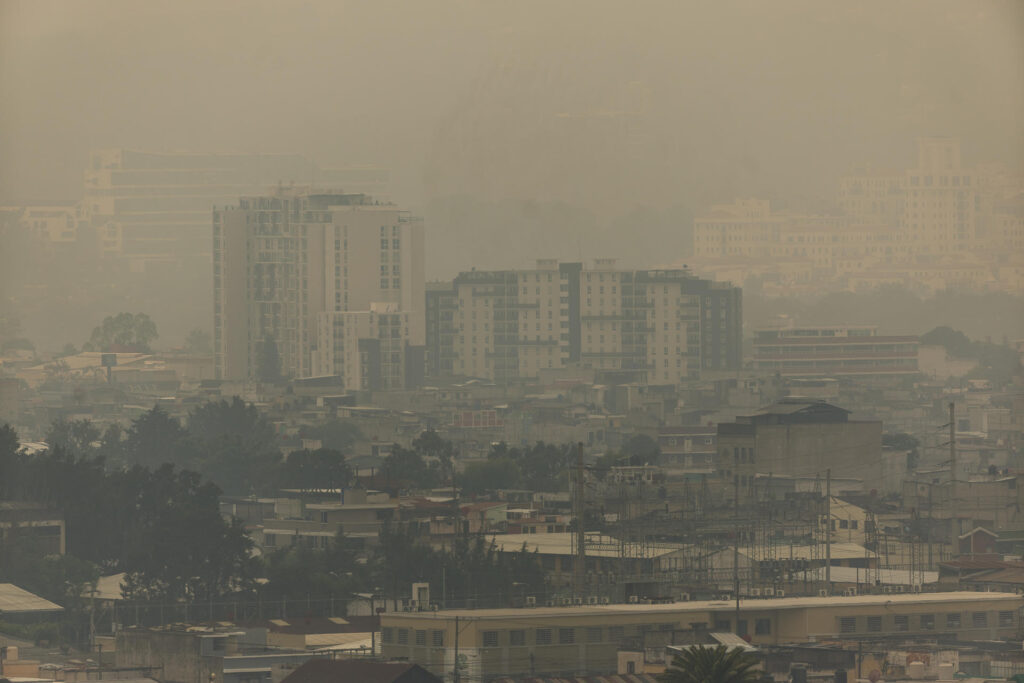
1012,601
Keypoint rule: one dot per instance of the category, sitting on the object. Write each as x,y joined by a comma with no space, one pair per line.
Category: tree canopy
135,330
700,664
161,526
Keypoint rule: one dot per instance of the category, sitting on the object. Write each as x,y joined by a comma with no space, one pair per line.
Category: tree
155,438
699,664
215,420
490,475
322,469
642,450
405,468
235,446
198,341
338,435
956,343
125,329
430,445
179,547
74,436
268,361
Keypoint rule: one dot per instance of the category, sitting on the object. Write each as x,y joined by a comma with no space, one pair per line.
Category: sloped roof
15,600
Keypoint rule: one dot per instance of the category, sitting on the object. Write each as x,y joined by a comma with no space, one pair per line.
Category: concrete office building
568,641
149,207
284,259
656,326
841,351
798,437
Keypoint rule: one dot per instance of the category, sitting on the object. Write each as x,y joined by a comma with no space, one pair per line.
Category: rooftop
885,600
15,600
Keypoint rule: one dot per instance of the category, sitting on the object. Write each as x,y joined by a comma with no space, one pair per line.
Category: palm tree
699,664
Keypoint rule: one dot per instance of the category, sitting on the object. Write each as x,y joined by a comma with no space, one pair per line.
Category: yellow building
576,640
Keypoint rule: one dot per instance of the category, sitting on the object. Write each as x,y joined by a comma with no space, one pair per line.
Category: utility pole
930,559
828,531
455,663
373,627
581,548
955,536
736,548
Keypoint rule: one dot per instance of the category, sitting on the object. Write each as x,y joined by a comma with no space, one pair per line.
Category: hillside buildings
655,326
935,225
333,282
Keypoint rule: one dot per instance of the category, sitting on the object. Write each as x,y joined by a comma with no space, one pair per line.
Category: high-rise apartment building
283,261
155,207
661,326
939,199
368,350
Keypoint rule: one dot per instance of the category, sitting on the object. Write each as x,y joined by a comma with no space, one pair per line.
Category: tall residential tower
289,266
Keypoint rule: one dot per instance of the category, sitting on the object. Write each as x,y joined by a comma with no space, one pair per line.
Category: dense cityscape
251,431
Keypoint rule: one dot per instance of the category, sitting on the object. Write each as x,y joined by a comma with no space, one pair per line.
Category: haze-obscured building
797,437
155,206
841,351
657,326
286,263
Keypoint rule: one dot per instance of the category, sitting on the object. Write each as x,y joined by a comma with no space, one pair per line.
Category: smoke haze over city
508,342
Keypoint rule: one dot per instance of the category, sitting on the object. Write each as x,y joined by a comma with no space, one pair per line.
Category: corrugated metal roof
731,640
17,600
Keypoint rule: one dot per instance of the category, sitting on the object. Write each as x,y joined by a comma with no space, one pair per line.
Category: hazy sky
587,102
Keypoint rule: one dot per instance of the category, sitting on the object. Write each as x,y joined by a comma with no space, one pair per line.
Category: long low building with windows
585,640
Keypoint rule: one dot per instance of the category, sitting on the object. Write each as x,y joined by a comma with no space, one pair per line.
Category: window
387,635
979,619
723,626
421,637
953,620
875,624
566,636
1006,618
517,637
901,622
616,633
270,540
490,639
762,627
438,638
594,635
403,636
927,622
847,624
542,636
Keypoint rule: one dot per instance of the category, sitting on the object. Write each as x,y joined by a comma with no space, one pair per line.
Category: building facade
659,326
834,352
572,641
798,437
286,264
155,207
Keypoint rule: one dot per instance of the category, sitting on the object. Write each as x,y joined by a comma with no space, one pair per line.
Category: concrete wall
175,652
